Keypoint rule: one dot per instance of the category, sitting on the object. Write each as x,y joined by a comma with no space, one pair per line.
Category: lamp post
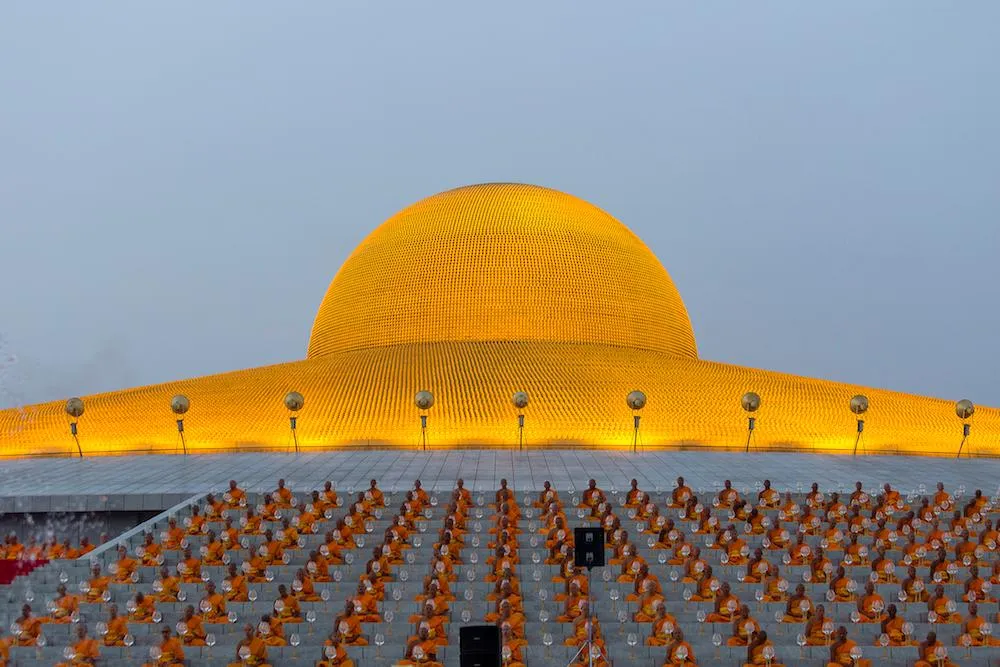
859,406
180,404
74,408
520,401
751,403
636,400
423,400
294,402
964,409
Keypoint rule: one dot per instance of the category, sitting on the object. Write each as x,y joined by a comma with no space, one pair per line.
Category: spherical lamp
424,400
636,401
859,406
964,409
180,404
750,402
74,408
294,402
520,401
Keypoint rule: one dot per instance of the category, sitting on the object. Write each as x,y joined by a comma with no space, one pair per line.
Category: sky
180,182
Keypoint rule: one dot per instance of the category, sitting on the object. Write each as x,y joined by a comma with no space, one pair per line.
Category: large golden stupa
475,294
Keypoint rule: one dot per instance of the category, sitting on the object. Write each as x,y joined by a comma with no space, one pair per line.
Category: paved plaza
158,482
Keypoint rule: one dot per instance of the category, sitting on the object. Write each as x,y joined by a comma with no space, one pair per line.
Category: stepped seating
390,635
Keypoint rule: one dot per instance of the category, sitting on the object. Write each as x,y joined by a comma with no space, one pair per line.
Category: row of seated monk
500,494
53,548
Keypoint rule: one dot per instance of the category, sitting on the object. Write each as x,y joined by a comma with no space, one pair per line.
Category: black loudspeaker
479,646
588,545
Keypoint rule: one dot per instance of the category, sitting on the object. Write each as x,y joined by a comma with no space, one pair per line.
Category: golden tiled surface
577,393
502,262
477,293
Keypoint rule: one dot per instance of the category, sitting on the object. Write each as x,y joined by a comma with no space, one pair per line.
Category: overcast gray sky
179,184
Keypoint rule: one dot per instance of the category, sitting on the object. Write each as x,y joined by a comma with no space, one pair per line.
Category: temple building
479,293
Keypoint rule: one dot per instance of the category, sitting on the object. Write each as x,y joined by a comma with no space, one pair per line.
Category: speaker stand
589,644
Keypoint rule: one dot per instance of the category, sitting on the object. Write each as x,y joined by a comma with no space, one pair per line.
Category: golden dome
502,263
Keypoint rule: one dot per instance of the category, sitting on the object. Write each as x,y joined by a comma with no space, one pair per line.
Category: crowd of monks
848,545
51,549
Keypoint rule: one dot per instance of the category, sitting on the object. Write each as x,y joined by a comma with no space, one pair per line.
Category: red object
12,569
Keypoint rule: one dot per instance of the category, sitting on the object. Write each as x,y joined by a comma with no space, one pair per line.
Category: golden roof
502,263
475,294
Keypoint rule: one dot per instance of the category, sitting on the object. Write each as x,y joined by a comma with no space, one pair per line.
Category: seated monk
195,524
679,652
506,593
194,629
144,608
150,553
933,653
125,566
840,651
799,606
815,636
777,537
745,628
28,626
374,495
421,650
727,496
726,605
573,605
680,495
708,587
820,567
973,626
761,652
288,611
768,497
365,603
871,605
975,587
117,628
213,509
64,607
334,654
511,647
942,607
634,496
171,651
663,628
914,586
166,588
85,650
592,496
504,609
842,586
892,627
189,568
251,651
213,606
171,538
213,552
775,587
252,523
649,605
282,495
234,586
347,626
757,567
584,626
271,630
799,552
303,587
235,496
